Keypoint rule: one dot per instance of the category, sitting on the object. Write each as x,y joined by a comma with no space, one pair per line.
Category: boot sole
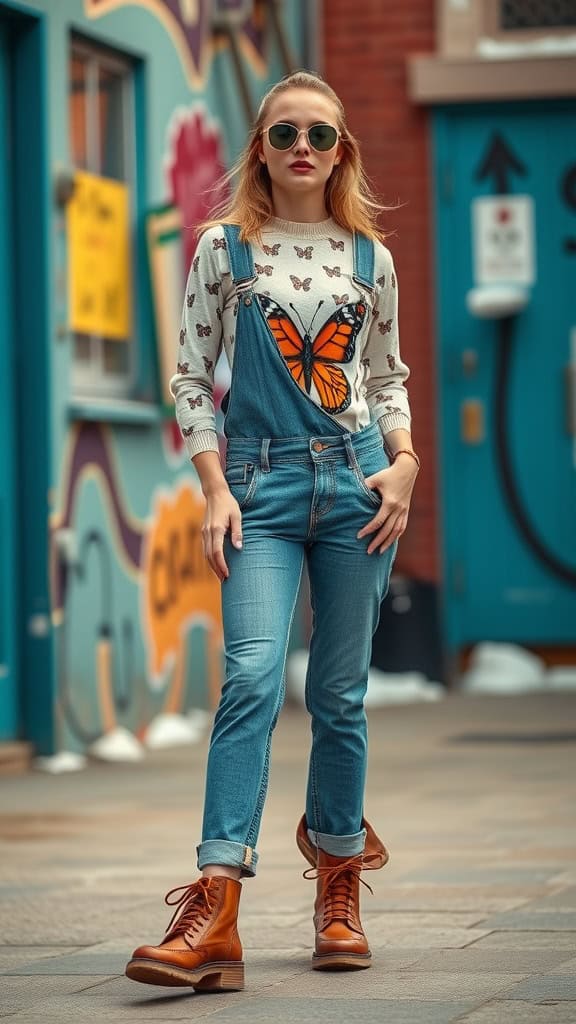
341,961
213,977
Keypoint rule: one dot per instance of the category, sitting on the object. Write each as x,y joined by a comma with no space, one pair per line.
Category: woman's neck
305,209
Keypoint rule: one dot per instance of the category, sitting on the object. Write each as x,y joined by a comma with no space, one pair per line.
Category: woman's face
301,169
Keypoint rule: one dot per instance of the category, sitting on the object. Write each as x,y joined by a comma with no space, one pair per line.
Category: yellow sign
99,279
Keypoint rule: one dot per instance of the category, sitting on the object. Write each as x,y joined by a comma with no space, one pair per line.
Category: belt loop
350,453
264,456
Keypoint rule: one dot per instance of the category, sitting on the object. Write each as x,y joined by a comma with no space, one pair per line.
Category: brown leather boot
375,855
340,940
201,946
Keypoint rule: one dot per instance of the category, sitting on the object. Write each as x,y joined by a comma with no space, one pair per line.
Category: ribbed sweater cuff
202,441
394,421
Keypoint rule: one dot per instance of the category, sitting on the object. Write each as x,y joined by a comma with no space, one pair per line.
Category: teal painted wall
101,654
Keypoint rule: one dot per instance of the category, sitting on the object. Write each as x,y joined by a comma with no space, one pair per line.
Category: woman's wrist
406,454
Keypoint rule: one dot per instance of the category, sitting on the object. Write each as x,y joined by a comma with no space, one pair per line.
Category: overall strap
239,256
363,271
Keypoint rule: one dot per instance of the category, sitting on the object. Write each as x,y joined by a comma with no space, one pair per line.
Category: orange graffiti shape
178,583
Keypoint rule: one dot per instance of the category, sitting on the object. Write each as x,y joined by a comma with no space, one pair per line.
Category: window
523,14
102,142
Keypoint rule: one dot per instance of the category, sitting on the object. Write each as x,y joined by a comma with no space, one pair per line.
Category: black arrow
499,162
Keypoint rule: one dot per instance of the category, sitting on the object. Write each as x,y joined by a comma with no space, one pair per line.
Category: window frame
89,379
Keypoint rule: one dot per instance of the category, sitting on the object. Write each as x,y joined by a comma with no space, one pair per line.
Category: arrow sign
499,163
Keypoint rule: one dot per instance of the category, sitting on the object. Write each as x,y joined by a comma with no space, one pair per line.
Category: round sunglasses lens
282,136
322,137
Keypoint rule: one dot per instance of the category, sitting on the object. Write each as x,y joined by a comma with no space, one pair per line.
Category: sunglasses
322,137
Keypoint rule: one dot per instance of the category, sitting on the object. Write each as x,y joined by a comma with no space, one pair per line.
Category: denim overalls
299,480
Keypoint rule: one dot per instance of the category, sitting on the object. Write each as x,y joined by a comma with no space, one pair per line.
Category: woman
293,280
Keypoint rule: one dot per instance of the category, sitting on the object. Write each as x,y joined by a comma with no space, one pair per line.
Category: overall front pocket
242,478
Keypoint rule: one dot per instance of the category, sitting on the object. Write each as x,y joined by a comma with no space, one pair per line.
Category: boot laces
338,886
193,908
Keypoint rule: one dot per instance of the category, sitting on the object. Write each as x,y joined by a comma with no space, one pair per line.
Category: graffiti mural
189,24
126,594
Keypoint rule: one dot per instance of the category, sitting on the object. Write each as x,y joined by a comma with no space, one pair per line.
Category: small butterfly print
208,364
264,270
218,243
339,299
183,367
213,288
298,284
187,431
393,279
393,408
304,254
193,402
337,244
195,264
182,335
365,362
375,312
219,312
391,361
190,300
235,310
272,250
231,340
203,331
332,271
385,327
381,280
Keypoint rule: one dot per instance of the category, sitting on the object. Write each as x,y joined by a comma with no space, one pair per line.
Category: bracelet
406,451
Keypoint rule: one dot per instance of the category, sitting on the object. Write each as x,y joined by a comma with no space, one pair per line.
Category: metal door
506,384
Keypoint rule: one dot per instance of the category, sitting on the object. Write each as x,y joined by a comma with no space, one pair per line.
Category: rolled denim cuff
223,851
339,846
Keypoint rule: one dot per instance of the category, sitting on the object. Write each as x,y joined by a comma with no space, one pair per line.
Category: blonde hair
348,195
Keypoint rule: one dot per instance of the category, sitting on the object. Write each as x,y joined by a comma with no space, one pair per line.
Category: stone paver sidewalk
473,920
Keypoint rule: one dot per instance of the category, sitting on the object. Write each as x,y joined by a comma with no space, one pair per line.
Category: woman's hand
395,486
222,514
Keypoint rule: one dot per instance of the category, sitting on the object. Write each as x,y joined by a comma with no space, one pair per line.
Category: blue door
506,386
9,716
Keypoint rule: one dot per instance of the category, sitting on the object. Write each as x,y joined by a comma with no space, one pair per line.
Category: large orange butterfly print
311,360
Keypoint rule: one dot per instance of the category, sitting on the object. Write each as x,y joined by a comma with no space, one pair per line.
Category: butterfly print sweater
305,288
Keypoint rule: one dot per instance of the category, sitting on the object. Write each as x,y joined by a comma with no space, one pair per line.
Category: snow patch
117,745
172,730
63,761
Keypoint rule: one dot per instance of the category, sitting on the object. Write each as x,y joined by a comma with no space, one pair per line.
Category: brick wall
366,43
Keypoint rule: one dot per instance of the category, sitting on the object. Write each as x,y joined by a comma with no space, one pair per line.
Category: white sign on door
503,239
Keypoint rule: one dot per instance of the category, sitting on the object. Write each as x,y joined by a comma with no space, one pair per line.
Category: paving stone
481,875
385,937
22,993
479,960
563,900
478,899
497,1011
265,1010
12,957
545,940
545,986
539,921
565,967
400,985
